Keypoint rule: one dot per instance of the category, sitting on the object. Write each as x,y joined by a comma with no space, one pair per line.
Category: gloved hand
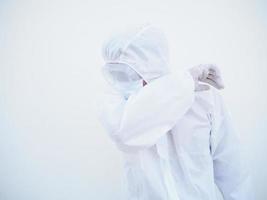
206,73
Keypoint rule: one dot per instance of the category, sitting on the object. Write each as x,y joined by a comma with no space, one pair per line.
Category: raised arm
149,114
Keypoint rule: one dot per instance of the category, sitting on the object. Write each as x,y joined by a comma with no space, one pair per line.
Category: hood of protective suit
145,50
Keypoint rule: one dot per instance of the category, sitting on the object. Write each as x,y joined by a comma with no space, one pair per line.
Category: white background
51,145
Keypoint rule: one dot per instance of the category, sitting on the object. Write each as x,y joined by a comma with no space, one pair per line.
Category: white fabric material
144,49
130,122
176,143
140,124
199,151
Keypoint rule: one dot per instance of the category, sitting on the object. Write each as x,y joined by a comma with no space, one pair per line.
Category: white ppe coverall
177,144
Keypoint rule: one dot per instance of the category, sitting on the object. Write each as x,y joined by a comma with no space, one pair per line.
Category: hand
207,73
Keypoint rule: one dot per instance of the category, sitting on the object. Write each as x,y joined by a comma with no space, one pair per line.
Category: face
123,78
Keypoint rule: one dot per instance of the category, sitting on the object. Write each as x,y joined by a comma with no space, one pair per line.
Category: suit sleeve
149,114
230,171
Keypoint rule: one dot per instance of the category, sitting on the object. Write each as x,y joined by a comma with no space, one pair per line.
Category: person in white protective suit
174,132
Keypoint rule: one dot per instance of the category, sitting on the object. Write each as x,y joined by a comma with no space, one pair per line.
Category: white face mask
123,78
129,88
